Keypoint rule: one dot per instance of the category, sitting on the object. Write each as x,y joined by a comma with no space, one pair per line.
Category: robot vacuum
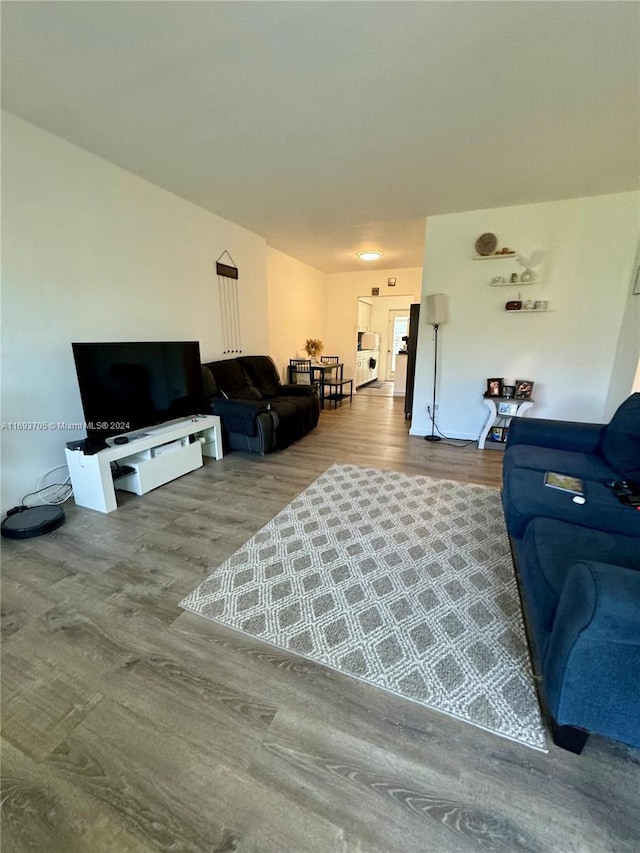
25,522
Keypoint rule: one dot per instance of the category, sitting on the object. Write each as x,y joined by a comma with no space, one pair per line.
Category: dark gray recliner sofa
258,413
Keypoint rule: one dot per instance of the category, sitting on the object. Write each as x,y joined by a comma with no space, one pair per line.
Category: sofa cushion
233,381
525,497
262,372
239,415
561,435
591,671
587,466
209,387
544,557
621,442
296,417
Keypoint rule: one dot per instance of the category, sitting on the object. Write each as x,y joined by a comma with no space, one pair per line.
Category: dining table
319,371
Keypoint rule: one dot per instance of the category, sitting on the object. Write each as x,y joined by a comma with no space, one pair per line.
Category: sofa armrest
559,435
239,415
297,390
592,664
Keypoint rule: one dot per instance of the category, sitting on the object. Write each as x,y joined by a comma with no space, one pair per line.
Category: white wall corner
571,352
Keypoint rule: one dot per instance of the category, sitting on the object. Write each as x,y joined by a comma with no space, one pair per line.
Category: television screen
127,386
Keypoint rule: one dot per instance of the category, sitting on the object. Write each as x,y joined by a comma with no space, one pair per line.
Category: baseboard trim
418,431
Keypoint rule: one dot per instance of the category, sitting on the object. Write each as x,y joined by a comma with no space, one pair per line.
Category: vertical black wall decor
229,305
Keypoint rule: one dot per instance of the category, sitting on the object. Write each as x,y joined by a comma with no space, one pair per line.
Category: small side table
501,410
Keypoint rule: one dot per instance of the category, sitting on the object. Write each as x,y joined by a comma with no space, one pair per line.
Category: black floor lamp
437,313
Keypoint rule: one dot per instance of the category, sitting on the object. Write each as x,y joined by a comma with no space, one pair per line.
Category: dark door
412,344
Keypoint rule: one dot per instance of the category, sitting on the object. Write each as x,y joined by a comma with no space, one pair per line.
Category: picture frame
523,389
375,291
507,409
496,433
508,391
494,387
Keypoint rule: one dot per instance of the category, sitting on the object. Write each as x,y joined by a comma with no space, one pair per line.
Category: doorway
398,327
377,314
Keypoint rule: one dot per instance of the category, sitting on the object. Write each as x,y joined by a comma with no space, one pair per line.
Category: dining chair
335,388
329,359
300,371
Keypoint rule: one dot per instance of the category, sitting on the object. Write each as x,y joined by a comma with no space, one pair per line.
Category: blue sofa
578,567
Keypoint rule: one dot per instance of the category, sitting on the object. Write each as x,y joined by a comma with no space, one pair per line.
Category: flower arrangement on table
313,347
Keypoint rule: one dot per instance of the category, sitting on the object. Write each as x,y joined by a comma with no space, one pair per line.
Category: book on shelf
564,482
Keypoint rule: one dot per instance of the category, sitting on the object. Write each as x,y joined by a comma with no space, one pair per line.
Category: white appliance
370,340
170,447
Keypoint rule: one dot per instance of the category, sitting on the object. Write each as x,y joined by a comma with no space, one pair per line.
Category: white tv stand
157,455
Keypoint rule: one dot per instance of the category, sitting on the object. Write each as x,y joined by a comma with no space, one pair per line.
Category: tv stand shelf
156,456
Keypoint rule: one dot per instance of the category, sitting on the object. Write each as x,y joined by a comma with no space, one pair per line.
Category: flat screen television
128,386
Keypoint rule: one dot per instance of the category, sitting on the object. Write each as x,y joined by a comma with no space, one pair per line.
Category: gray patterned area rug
403,581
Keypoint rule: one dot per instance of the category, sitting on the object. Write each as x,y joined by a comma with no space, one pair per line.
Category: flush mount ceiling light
369,256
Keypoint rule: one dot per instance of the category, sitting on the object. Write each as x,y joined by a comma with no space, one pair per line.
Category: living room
93,251
81,271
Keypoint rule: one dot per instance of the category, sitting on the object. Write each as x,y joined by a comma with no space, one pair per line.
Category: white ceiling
331,127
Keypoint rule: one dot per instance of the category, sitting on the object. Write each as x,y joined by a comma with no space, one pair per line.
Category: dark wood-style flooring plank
41,812
130,725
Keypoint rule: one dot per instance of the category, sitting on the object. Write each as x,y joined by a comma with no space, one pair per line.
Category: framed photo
524,389
507,409
494,387
375,291
496,434
508,391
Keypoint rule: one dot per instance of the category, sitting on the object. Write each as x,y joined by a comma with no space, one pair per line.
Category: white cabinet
364,315
364,371
400,379
374,356
361,362
150,458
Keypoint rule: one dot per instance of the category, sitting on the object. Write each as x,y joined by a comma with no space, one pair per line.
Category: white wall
297,305
92,252
570,352
343,290
625,376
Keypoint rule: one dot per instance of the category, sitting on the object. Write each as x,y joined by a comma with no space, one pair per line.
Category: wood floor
130,725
